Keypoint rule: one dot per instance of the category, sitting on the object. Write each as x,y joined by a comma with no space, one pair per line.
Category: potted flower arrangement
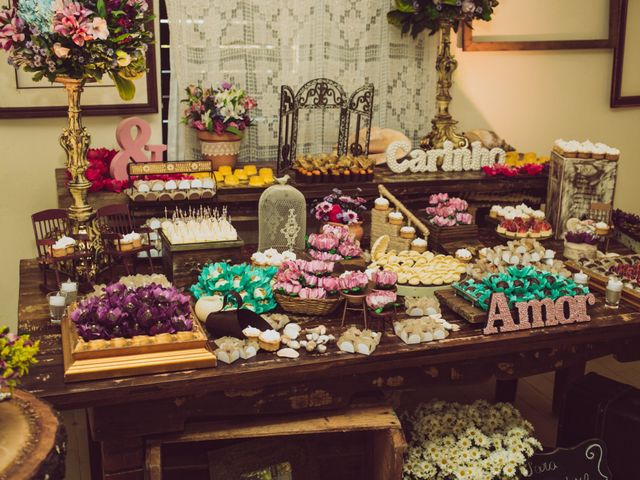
450,441
340,209
17,354
307,287
449,219
220,117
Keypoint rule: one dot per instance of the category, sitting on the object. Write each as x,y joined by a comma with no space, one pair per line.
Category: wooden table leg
506,390
564,378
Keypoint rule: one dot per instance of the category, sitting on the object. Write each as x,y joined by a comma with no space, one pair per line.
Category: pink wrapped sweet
325,256
384,279
464,218
323,241
289,289
341,232
313,293
330,284
349,249
378,300
350,281
310,280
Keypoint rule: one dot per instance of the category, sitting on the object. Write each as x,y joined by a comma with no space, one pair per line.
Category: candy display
520,252
304,279
519,284
122,312
175,187
333,244
354,340
415,268
626,267
331,168
423,329
199,226
445,211
253,284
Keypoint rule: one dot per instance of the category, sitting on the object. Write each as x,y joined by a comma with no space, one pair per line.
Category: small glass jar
613,293
57,307
69,290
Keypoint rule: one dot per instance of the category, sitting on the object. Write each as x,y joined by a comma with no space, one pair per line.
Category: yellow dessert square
225,170
250,170
219,176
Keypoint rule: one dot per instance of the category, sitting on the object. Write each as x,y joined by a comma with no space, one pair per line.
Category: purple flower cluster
123,313
581,237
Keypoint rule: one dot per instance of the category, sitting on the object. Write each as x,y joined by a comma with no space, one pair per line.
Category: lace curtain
262,44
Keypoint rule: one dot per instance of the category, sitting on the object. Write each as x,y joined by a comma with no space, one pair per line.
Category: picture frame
43,99
469,44
624,42
283,459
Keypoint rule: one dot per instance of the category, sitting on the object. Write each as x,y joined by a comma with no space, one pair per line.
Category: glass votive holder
57,307
69,290
613,294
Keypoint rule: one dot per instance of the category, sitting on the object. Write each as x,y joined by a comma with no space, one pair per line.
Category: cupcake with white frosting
602,228
396,218
612,154
419,245
408,232
381,204
463,255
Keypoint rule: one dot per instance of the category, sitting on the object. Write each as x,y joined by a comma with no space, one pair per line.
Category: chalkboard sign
587,461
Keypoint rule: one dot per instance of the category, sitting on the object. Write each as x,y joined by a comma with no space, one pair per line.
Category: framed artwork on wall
528,26
625,84
23,98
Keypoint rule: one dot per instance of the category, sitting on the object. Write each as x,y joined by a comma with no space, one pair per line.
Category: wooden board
157,357
462,306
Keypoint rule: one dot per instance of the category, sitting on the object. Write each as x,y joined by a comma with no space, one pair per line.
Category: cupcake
571,149
408,232
612,154
538,215
495,211
601,228
419,245
396,218
381,204
584,151
124,244
269,340
64,246
259,259
463,255
599,152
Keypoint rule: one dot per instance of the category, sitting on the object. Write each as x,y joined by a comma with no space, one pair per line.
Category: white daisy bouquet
481,441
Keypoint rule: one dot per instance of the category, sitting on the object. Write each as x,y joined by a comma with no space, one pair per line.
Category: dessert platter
247,176
132,327
199,226
521,221
624,267
332,168
172,190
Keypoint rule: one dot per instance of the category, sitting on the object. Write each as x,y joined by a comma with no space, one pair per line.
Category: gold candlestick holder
444,126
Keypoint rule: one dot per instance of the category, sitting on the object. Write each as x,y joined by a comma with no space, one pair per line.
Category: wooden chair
114,221
49,226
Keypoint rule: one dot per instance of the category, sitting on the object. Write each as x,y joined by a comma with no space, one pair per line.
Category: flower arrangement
381,301
17,354
339,208
306,279
445,211
80,39
384,279
353,283
414,16
122,312
450,441
333,244
253,284
223,109
529,169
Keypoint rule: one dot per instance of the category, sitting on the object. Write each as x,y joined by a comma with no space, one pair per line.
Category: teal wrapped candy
253,284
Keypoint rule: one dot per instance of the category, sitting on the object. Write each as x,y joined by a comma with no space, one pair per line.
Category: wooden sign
587,461
185,167
536,313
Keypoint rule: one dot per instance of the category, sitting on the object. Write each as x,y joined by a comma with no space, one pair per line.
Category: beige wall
530,98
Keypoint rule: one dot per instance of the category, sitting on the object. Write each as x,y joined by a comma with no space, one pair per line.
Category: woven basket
308,306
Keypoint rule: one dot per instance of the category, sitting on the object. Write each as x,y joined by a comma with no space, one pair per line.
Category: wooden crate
183,263
462,306
364,442
441,236
576,183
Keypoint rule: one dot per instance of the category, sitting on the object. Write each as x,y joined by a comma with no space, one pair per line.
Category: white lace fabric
262,44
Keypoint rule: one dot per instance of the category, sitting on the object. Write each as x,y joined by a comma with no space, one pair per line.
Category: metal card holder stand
324,94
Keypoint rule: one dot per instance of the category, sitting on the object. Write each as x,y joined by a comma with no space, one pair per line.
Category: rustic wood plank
388,449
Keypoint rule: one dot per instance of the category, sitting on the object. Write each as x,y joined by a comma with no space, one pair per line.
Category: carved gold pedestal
444,126
75,140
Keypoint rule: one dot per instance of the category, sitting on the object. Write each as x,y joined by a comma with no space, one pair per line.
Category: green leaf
102,11
396,18
405,6
235,131
126,88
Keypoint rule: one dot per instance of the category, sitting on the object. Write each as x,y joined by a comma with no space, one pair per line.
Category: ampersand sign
132,149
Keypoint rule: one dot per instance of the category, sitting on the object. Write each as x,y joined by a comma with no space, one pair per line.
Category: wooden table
122,412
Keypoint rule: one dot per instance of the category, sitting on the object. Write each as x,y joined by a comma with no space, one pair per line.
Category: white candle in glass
69,290
57,304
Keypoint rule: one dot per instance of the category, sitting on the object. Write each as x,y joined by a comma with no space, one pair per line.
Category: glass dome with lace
282,217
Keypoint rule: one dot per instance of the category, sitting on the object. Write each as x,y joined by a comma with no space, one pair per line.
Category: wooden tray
462,306
598,281
164,353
